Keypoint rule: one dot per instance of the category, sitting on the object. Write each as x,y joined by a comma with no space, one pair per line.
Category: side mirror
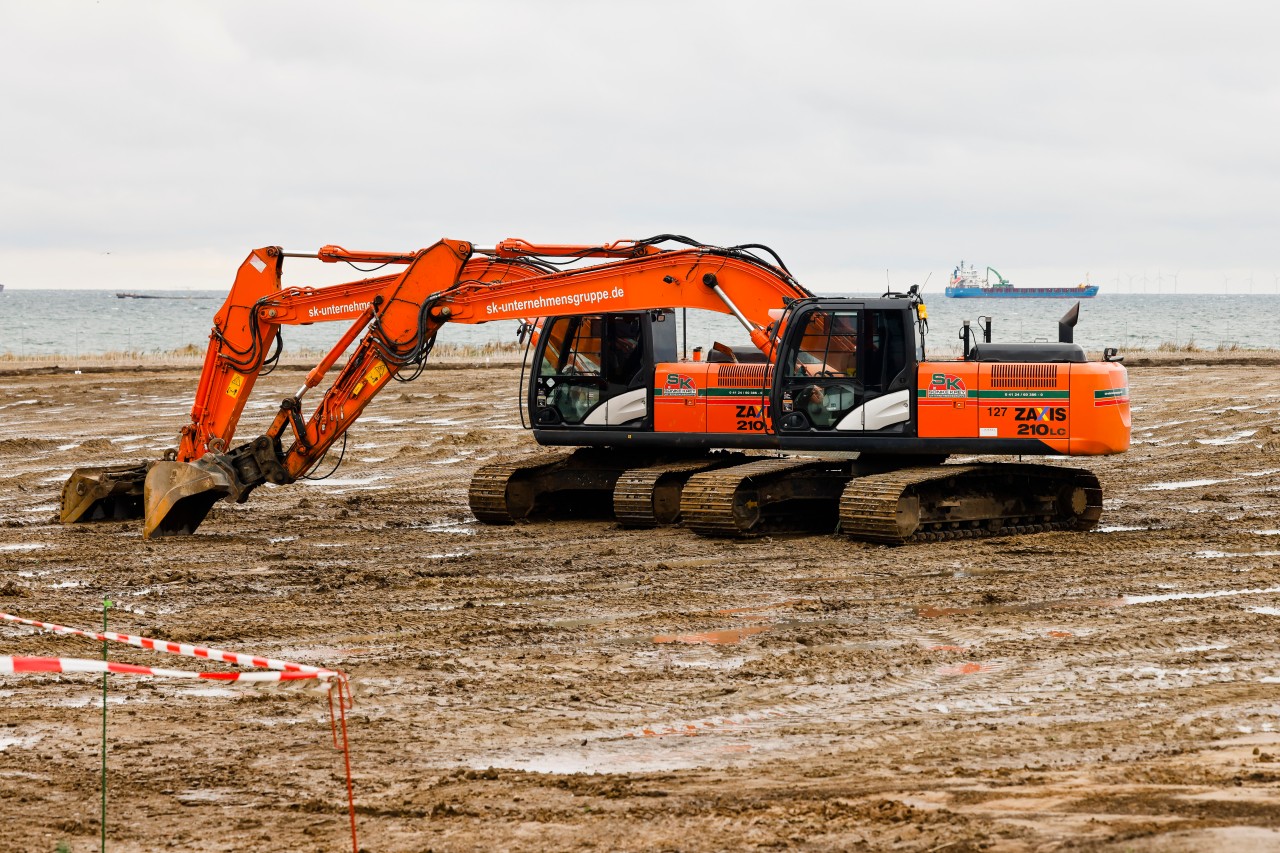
1111,354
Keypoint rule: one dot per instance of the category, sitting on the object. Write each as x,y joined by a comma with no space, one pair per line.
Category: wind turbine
1175,282
1250,280
1159,280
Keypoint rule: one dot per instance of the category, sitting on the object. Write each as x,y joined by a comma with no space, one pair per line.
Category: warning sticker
234,386
376,373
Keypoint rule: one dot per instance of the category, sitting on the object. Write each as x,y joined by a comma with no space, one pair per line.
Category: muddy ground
572,685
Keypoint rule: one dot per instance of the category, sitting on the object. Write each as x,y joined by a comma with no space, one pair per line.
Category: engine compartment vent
1024,376
743,376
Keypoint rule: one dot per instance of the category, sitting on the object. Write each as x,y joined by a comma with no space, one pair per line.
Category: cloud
848,135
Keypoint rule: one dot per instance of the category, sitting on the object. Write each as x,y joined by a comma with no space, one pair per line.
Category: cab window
821,364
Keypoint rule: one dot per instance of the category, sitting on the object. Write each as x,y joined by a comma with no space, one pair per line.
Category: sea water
78,323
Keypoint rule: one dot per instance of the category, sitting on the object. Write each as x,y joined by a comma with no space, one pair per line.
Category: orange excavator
664,438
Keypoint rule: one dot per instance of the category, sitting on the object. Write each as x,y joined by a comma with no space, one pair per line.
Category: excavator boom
395,318
841,374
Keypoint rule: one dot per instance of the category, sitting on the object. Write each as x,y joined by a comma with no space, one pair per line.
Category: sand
569,685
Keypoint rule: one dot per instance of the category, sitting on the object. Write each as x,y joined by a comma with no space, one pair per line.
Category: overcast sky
154,144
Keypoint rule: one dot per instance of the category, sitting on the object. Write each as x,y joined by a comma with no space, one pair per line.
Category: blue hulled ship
966,283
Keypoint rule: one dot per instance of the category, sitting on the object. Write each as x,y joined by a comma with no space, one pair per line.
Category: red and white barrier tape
282,666
280,671
12,664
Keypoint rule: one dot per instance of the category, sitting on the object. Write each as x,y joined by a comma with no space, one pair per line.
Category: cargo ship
966,283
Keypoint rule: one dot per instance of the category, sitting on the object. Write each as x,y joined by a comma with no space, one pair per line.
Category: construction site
821,593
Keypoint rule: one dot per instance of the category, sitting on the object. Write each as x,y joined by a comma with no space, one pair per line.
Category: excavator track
580,482
650,497
751,499
969,501
489,494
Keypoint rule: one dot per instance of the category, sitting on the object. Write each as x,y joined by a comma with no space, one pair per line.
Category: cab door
592,370
818,382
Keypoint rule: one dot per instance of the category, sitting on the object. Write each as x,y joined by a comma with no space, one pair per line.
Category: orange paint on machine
848,377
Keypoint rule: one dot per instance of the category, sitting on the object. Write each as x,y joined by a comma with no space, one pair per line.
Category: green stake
106,602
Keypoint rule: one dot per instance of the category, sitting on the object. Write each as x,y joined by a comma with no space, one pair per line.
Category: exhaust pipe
1067,325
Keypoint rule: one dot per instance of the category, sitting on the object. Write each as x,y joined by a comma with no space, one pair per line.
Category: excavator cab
840,360
596,370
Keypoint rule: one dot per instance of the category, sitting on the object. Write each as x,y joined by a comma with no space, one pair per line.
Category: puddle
1218,555
218,692
1182,484
24,546
24,742
1182,596
968,668
466,528
714,638
1265,532
584,622
1266,611
1063,604
344,481
1234,438
1117,528
731,611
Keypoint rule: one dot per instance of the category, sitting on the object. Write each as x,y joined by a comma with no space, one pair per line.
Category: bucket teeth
178,495
103,494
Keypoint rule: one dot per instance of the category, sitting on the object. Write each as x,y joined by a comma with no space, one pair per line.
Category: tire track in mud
533,646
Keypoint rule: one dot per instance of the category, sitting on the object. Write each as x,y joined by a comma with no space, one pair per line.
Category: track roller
578,483
650,497
969,501
751,499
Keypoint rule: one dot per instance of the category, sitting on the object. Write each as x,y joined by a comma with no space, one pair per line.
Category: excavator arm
396,318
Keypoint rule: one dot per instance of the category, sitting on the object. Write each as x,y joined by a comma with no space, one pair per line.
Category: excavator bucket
103,494
178,495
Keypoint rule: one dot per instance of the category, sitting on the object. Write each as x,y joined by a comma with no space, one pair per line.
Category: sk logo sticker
946,385
679,385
